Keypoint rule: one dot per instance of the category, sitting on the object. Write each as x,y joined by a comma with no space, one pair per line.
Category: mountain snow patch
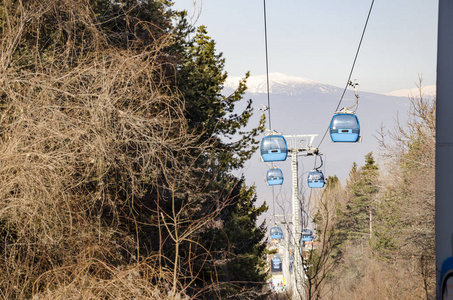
279,84
428,90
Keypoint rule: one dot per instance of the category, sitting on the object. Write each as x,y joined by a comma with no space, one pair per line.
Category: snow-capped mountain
429,90
281,84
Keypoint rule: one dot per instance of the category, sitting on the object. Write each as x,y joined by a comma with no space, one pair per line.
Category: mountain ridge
283,84
280,84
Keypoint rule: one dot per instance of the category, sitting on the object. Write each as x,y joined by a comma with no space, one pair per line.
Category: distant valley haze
303,106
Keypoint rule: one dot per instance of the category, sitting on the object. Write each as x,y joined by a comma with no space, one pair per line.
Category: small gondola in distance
344,128
274,148
307,235
277,261
274,176
276,233
315,179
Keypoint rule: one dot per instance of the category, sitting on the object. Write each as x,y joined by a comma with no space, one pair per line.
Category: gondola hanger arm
320,157
346,110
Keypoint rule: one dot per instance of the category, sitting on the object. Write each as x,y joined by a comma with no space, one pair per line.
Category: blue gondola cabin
274,148
276,233
307,236
274,177
277,262
344,127
315,179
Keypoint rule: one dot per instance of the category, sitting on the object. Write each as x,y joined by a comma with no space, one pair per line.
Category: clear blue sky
318,39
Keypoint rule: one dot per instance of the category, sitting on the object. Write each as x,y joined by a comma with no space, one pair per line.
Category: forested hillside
118,149
376,232
115,164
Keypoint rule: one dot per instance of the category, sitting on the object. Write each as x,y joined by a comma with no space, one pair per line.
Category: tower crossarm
301,144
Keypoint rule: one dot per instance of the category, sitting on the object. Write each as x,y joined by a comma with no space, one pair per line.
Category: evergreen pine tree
245,266
238,241
362,186
200,79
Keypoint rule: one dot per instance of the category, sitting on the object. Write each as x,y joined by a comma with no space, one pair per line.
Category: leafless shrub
364,277
398,262
325,258
402,266
411,156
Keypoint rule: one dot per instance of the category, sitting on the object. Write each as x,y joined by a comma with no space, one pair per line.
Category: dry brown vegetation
86,129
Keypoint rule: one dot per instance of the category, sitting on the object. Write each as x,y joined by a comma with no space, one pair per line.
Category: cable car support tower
298,145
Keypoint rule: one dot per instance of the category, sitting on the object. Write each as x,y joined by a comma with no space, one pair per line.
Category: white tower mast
295,149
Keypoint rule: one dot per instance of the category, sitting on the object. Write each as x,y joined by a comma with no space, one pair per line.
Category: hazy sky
318,39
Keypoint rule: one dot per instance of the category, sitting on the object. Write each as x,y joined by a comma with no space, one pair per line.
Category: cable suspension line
267,66
352,67
268,93
356,54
